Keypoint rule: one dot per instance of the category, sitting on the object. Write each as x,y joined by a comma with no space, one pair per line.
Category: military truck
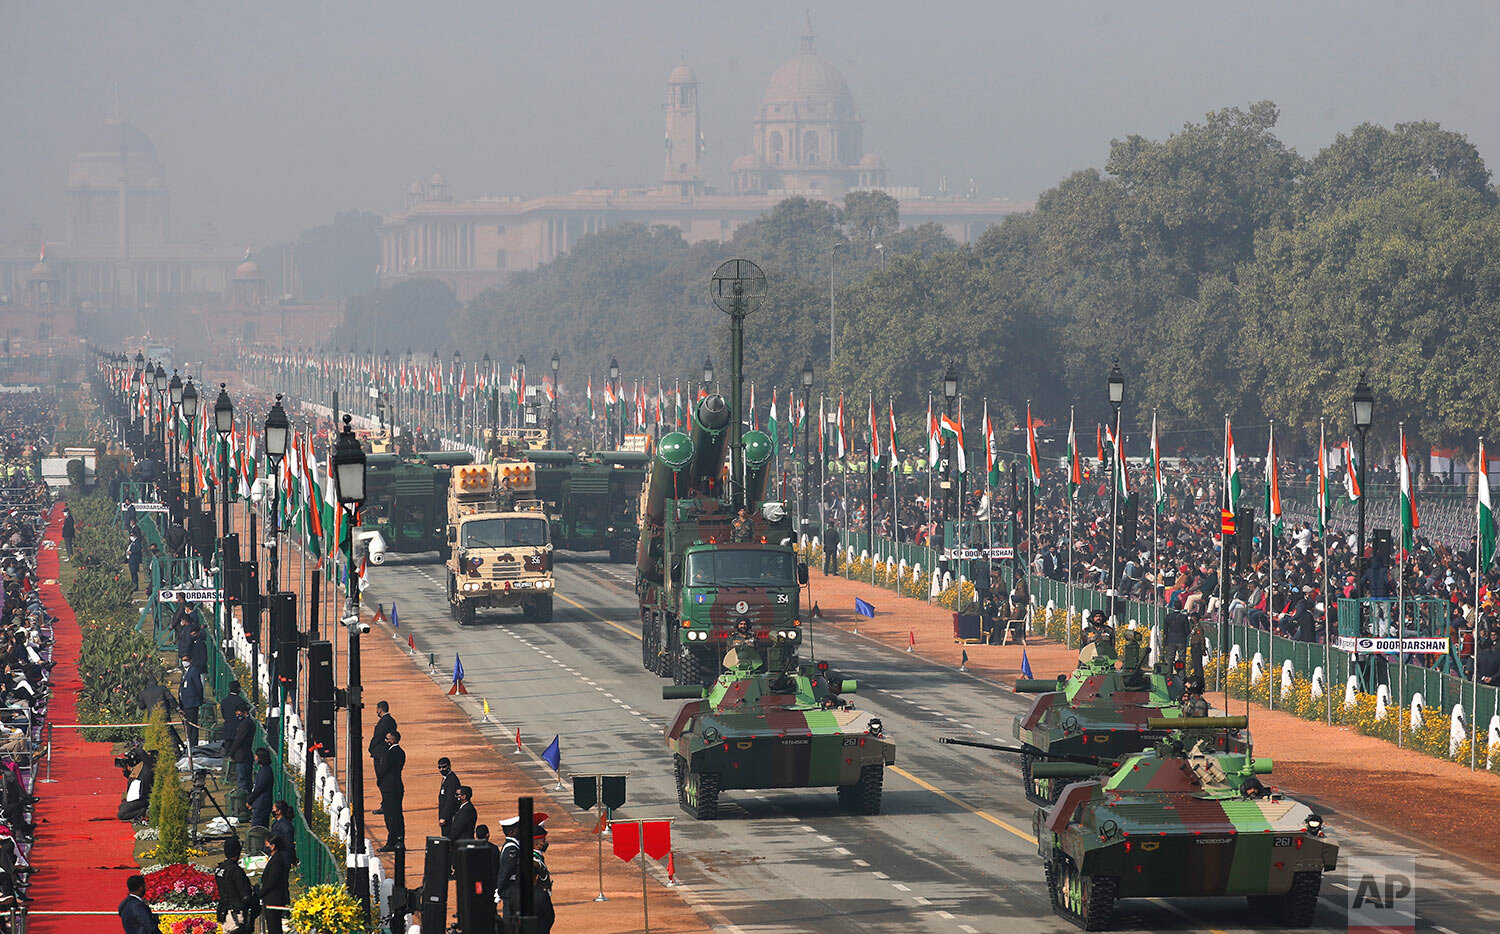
704,568
1183,821
592,499
406,499
775,725
500,549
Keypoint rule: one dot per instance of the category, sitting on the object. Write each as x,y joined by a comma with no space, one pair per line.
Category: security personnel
507,878
447,804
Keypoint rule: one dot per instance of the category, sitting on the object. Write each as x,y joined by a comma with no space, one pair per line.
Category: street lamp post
556,397
349,478
456,408
807,381
190,412
520,413
160,381
1116,397
1364,413
614,385
278,433
492,397
140,366
224,425
950,392
174,395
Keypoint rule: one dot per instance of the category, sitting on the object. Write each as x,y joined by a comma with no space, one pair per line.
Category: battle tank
1099,710
1183,821
782,726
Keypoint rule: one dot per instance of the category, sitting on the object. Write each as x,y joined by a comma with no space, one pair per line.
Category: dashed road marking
900,888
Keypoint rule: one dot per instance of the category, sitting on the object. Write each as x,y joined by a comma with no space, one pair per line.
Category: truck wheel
541,610
865,795
1296,908
465,612
452,596
688,668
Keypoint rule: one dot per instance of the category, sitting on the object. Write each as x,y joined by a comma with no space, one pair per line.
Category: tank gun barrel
1083,760
1197,723
1035,686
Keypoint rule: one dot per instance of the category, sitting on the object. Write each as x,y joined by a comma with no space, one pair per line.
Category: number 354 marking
783,598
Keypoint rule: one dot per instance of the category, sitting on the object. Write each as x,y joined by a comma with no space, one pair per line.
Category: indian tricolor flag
1351,474
1231,469
1409,519
954,428
840,447
895,448
1325,495
1031,455
991,462
1075,465
1486,515
1158,486
934,445
1273,485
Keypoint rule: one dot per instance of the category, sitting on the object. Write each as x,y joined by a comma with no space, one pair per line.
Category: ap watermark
1382,894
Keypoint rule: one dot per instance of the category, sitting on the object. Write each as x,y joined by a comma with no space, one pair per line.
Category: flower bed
181,885
327,909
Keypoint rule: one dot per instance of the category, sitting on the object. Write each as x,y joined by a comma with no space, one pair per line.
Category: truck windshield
741,567
504,533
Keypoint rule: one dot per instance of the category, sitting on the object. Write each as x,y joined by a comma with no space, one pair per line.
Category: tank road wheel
679,769
702,792
465,612
1296,908
865,795
1054,883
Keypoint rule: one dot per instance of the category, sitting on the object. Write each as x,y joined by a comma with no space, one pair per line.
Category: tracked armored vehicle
1181,821
1099,710
786,726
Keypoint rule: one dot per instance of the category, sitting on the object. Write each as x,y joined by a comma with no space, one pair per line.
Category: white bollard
1257,668
1234,656
1416,719
1458,729
1382,701
1317,682
1154,654
1286,677
1351,690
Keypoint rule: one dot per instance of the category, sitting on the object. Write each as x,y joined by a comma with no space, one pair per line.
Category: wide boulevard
952,849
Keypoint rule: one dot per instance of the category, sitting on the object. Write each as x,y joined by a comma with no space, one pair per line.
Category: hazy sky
271,116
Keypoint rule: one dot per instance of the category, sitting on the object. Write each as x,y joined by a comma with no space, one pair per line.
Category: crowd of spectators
25,634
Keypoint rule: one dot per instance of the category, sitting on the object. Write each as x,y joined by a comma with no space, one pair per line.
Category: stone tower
684,142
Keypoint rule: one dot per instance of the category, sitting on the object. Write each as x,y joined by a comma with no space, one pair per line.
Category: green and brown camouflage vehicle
1098,711
704,569
1181,821
776,727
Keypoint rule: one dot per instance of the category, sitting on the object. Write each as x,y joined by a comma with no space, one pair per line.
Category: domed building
807,139
117,249
808,135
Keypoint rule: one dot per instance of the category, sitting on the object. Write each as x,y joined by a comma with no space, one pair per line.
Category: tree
411,313
337,261
1371,159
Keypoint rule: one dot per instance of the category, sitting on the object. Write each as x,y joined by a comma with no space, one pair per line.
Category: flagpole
1156,504
1482,495
931,554
1401,595
870,474
890,411
1223,572
1271,575
1327,606
1030,495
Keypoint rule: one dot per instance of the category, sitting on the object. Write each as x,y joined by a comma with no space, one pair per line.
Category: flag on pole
1273,485
933,444
864,608
458,677
1122,476
874,435
1325,495
591,396
1409,519
395,620
991,449
954,428
773,424
841,449
894,446
1231,469
1075,463
1025,665
1159,486
1036,462
1351,474
1486,515
552,755
1099,441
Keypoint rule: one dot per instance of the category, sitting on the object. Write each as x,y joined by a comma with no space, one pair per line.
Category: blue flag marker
552,755
458,669
1025,665
863,608
395,620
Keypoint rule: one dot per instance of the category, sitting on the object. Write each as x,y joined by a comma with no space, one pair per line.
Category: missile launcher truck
500,550
592,499
705,568
406,499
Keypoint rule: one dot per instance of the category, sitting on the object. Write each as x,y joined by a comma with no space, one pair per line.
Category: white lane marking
825,838
810,829
842,851
794,819
945,915
920,900
880,875
860,862
899,887
983,733
967,929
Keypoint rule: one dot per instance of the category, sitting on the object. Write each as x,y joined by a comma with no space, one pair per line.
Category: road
952,848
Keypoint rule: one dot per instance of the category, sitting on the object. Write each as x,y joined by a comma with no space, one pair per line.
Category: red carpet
83,853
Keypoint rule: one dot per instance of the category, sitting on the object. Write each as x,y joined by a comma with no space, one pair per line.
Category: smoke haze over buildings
272,116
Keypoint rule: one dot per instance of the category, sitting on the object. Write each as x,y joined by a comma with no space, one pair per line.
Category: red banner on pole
627,842
657,838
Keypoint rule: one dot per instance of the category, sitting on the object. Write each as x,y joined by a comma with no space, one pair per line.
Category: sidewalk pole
49,779
601,897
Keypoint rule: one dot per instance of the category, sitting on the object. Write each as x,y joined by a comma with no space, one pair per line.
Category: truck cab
499,543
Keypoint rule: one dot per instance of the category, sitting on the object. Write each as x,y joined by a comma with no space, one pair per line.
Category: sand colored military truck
499,546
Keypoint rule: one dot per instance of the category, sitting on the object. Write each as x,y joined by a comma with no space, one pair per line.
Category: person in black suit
392,792
232,702
275,888
447,795
190,698
236,894
281,826
385,724
465,817
135,915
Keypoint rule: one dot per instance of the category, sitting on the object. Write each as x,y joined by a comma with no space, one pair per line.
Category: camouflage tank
1183,821
774,727
1098,711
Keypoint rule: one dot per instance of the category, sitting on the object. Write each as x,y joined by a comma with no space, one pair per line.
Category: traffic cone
911,640
671,870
